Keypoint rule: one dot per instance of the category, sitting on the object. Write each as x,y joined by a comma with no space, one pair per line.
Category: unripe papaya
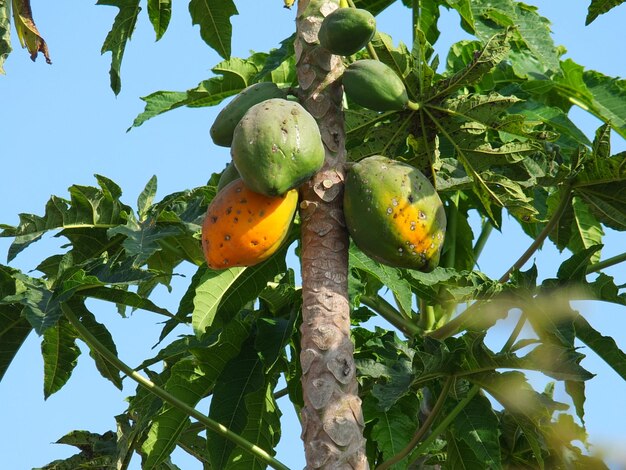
346,31
229,174
393,213
375,86
277,146
243,228
225,122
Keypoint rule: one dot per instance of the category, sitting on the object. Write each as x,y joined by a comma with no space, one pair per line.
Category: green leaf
599,7
233,76
14,329
146,198
221,294
120,34
390,277
60,352
461,456
213,16
88,208
604,346
96,451
160,12
391,432
575,267
586,230
262,429
5,32
190,381
477,426
102,334
576,390
242,376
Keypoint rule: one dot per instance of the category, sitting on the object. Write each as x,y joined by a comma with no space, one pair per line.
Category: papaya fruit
229,174
346,31
277,146
243,228
375,86
224,125
393,213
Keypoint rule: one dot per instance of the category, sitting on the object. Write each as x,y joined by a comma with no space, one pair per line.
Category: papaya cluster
392,211
275,146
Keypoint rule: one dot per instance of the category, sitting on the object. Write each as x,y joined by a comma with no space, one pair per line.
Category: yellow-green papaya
393,213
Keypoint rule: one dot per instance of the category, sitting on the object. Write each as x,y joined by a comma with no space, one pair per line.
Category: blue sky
61,124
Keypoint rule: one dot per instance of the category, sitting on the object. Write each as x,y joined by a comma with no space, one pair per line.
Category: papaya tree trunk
332,421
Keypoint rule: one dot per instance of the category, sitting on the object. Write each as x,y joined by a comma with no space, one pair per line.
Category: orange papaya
243,228
393,213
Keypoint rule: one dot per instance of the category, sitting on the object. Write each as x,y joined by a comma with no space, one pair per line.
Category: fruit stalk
332,421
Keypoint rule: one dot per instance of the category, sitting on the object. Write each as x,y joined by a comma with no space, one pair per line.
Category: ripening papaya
393,213
224,125
229,174
243,228
346,31
375,86
277,146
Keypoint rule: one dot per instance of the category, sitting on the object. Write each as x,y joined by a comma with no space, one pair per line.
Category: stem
413,106
447,420
94,344
389,313
600,265
514,334
485,232
534,246
421,432
427,315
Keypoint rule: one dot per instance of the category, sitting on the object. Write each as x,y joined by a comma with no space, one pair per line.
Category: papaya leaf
27,32
391,432
576,390
146,198
262,429
221,294
370,133
96,451
5,33
233,75
276,58
160,13
60,352
190,381
464,9
532,31
391,277
103,335
213,17
242,376
40,306
88,208
14,329
586,230
494,51
604,346
426,18
373,6
477,425
575,267
460,455
599,7
120,34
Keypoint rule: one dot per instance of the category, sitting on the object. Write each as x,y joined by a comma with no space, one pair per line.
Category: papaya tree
368,177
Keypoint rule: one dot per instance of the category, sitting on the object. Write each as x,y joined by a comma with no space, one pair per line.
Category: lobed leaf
160,13
14,329
121,32
599,7
604,346
213,17
60,352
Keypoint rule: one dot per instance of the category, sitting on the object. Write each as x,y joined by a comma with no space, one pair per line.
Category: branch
599,266
421,432
94,344
386,310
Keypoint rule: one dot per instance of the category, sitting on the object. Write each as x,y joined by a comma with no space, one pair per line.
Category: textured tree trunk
332,421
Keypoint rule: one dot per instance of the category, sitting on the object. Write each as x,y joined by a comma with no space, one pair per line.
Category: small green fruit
375,86
346,31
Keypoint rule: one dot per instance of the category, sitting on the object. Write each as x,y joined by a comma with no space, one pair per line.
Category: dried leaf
27,32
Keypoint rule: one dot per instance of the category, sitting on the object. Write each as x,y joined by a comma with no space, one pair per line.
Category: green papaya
346,31
393,213
224,125
375,86
277,146
229,174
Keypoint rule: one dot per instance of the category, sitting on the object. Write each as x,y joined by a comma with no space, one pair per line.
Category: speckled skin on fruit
393,213
243,228
277,146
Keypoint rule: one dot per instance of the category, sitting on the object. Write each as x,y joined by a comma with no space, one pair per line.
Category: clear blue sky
61,124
